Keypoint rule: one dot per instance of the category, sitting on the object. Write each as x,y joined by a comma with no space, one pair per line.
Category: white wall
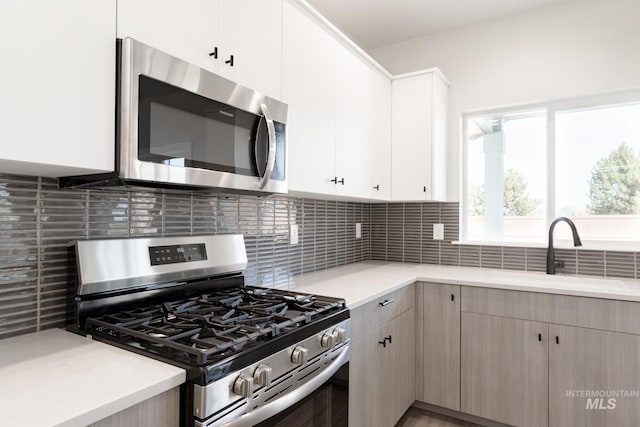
575,48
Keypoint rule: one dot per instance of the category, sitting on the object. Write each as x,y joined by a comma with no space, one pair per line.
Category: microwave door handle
271,142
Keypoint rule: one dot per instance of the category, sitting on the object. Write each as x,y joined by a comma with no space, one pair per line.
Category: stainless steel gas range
253,356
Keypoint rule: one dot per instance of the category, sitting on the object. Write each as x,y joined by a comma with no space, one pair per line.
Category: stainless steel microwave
180,125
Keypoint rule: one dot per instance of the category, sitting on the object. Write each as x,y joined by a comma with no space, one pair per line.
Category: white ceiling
375,23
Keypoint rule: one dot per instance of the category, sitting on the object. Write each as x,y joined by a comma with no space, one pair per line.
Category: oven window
180,128
327,406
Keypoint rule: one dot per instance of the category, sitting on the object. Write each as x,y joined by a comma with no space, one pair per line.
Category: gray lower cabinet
159,411
438,344
594,378
504,365
397,368
382,361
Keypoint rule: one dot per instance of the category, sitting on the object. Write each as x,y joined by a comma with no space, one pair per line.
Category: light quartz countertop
56,378
361,283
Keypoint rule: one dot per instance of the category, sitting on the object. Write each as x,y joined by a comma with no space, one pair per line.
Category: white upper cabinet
354,102
251,32
418,123
238,39
57,84
339,110
380,145
308,87
186,29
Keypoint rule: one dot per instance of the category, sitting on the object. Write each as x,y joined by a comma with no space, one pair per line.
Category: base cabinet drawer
379,311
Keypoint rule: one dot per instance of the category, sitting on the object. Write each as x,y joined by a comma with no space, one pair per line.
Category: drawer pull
388,339
453,297
383,342
385,302
539,337
557,339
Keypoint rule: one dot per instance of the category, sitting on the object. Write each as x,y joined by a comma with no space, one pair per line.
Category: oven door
327,406
183,125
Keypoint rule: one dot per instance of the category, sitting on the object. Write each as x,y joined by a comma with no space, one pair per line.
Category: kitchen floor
415,417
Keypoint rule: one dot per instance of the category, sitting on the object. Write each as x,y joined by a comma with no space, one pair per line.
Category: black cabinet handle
229,61
214,54
341,181
453,297
377,188
539,337
557,339
388,339
424,189
335,180
383,342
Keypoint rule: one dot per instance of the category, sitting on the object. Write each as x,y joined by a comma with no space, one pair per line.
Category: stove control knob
262,375
341,335
328,340
300,355
243,385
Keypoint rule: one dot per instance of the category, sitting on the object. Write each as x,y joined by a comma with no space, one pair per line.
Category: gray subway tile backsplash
620,264
37,220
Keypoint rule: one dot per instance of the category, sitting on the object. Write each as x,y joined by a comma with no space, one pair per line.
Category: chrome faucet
551,261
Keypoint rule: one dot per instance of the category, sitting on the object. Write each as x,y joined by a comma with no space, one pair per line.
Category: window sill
593,245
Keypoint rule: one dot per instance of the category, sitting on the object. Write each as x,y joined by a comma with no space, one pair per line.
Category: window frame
569,104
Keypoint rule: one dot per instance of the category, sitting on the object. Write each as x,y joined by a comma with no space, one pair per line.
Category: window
578,158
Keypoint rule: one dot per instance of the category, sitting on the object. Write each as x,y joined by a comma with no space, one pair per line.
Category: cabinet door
438,341
251,31
353,131
186,29
397,368
380,145
308,87
365,382
589,360
411,115
504,368
57,85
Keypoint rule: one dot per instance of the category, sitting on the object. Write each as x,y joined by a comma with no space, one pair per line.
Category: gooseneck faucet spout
551,261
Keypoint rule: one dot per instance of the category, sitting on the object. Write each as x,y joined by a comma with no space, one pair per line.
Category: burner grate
212,324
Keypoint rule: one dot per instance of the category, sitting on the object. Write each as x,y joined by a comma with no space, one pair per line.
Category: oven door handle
280,404
271,146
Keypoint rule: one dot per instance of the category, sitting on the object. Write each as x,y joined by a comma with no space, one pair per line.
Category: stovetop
182,300
214,326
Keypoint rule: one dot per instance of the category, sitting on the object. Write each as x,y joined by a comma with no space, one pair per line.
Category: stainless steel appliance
180,125
253,356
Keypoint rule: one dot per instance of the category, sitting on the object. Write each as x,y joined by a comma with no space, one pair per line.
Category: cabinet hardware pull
557,339
424,189
377,187
214,54
335,180
385,302
229,61
383,342
341,181
388,339
453,297
539,337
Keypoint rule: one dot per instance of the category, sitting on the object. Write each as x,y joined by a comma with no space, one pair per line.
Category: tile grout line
38,247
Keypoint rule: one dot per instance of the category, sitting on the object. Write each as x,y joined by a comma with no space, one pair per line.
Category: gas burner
216,322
